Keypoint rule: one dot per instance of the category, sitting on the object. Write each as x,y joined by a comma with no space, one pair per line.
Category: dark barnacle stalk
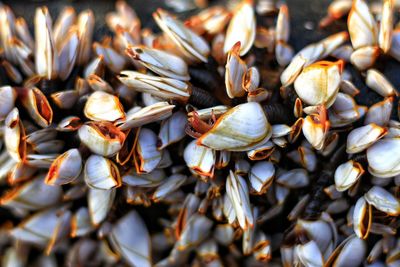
278,113
206,75
325,177
201,98
205,78
49,86
360,158
3,76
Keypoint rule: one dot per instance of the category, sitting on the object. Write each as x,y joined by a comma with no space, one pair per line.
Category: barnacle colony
208,143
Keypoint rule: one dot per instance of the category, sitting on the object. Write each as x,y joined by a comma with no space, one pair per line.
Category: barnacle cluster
207,143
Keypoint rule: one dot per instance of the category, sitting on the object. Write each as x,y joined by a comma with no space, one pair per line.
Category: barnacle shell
318,84
240,129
